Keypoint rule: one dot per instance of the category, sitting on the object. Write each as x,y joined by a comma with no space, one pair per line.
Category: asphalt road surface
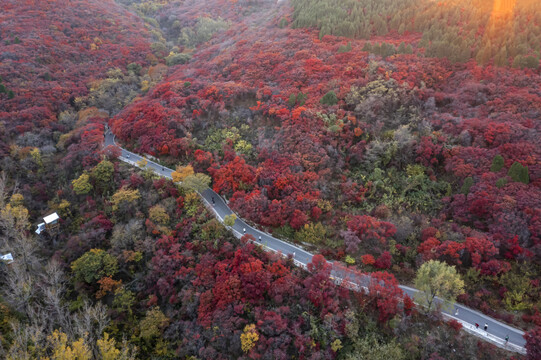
496,331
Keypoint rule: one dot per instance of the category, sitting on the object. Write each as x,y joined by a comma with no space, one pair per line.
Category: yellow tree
153,323
182,172
249,337
437,279
229,220
196,182
312,233
82,185
61,350
103,174
124,195
15,213
142,163
109,351
158,214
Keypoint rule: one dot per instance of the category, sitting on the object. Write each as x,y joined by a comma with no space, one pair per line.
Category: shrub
329,99
468,182
519,173
175,59
501,183
94,265
497,163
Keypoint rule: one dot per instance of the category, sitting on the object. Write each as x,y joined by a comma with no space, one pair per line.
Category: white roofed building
49,223
51,219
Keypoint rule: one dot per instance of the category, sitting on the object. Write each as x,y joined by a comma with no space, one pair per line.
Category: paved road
496,333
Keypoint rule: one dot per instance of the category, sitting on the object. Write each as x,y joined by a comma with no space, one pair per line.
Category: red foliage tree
533,343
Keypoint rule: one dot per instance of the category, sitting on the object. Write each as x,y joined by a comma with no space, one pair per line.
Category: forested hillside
505,32
379,135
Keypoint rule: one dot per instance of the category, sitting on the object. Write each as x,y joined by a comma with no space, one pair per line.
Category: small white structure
51,219
40,228
8,258
49,222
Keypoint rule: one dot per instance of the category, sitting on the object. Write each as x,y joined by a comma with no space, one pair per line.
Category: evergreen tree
501,57
292,100
367,47
497,163
329,99
468,182
501,183
531,62
519,173
301,98
517,62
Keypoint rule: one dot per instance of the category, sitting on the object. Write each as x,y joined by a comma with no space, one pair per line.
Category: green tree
344,48
371,347
497,163
329,99
82,185
153,323
301,98
11,94
367,47
102,174
175,59
292,100
124,300
312,233
196,182
435,278
468,182
229,220
519,173
94,265
501,182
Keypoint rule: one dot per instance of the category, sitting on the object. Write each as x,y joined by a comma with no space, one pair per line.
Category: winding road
496,330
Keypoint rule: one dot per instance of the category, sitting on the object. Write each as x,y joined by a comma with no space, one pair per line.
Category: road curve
496,330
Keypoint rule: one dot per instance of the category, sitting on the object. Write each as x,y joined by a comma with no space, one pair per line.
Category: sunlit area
270,179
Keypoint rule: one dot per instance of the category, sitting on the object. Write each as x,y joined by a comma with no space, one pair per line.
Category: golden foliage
124,195
182,172
61,350
158,214
153,323
249,337
82,185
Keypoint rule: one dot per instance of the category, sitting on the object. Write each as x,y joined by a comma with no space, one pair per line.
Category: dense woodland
380,135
